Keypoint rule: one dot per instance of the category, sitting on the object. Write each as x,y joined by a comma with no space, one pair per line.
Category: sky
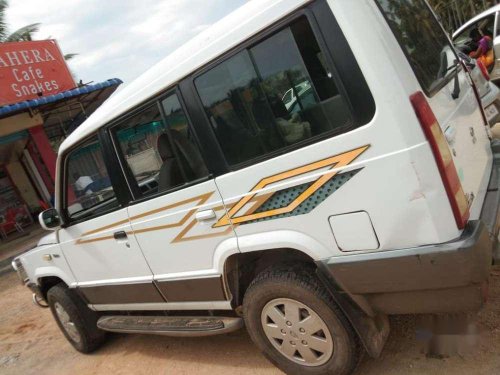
117,38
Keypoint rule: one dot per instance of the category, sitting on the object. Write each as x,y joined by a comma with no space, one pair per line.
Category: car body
487,90
379,196
489,20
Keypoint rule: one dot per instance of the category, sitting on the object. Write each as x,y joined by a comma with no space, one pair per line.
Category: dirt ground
30,343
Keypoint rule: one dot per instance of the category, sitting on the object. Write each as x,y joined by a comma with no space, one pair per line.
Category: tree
454,13
23,34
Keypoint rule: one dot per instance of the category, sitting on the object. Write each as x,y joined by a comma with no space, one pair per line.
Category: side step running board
179,326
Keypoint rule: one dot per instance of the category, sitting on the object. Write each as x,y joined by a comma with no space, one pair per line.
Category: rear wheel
294,321
77,322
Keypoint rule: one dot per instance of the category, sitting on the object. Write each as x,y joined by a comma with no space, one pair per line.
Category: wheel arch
47,282
47,277
241,268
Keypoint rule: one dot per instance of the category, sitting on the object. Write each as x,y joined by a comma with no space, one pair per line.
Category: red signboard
30,70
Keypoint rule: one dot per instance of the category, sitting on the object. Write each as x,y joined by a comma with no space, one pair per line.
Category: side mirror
49,219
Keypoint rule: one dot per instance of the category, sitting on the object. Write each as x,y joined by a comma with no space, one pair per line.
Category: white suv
196,190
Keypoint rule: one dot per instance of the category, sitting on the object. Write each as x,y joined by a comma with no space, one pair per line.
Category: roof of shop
11,109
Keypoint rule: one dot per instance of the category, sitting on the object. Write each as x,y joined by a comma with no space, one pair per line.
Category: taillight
483,70
444,160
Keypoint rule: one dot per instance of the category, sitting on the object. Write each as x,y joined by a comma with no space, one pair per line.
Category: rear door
176,204
449,91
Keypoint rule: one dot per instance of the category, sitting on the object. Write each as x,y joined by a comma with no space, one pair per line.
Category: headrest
164,147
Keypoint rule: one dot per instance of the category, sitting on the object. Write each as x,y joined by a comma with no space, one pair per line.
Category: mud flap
371,330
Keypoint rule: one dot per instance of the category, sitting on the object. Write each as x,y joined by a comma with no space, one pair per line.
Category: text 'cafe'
40,105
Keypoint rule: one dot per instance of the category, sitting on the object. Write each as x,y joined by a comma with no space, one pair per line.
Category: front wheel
77,322
294,321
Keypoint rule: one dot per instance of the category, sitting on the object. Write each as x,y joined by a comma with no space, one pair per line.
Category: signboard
30,70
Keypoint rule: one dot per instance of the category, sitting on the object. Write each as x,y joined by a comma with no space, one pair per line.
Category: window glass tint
88,187
424,41
272,95
160,151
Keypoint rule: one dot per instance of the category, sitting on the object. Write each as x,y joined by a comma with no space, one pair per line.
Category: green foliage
3,25
69,56
24,34
454,13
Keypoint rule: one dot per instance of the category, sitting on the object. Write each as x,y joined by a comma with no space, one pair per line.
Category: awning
110,86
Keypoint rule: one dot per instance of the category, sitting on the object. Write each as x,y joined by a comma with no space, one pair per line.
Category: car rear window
423,40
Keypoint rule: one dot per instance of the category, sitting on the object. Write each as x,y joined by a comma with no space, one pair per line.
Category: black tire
84,320
300,283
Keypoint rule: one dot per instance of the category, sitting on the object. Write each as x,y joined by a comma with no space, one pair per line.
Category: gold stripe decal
200,199
253,200
337,161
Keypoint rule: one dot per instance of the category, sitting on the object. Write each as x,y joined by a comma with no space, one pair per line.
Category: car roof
248,20
487,12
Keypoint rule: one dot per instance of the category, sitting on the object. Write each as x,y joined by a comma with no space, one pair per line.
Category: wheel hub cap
297,332
66,322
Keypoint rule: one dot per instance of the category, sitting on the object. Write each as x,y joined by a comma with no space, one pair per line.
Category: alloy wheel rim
297,332
66,322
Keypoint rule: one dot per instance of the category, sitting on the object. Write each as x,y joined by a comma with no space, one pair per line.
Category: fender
53,271
278,239
38,267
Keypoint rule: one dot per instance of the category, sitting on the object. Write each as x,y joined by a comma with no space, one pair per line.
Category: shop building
40,105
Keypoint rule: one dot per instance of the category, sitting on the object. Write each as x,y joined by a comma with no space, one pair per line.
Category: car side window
159,147
88,189
465,43
275,94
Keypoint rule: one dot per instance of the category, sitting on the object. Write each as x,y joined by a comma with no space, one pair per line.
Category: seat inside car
170,174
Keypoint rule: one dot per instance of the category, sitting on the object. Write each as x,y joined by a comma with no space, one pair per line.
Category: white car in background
487,90
486,21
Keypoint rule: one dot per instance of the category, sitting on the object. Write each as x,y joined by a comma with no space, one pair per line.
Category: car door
97,239
176,203
451,95
456,108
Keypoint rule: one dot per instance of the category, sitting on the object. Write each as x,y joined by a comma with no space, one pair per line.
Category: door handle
121,235
206,215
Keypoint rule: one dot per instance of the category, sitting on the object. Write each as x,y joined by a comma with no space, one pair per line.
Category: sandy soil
30,343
